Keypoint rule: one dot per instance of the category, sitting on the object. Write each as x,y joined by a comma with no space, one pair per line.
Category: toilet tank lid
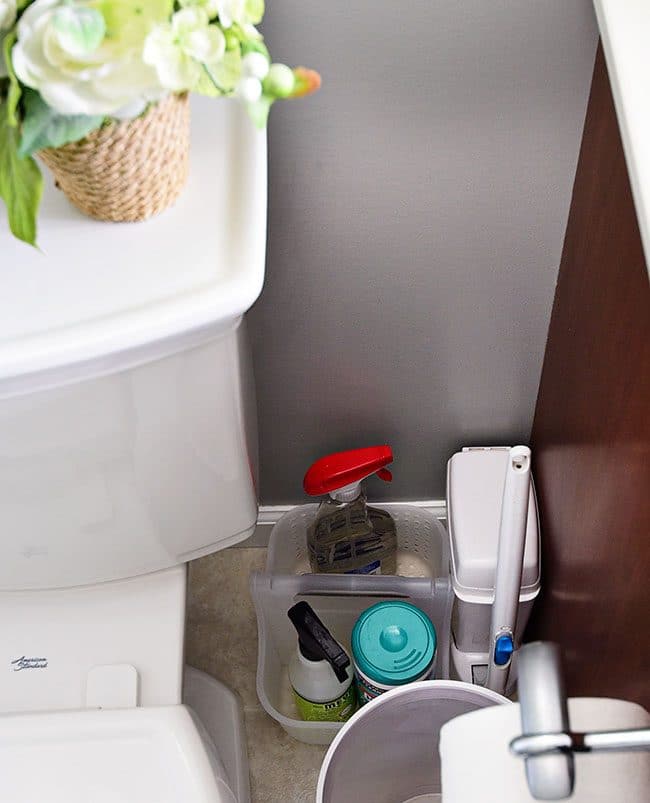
475,483
156,752
97,290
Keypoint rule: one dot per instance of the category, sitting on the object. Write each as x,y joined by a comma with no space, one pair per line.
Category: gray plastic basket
339,599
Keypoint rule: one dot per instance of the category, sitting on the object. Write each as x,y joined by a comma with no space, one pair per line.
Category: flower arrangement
78,73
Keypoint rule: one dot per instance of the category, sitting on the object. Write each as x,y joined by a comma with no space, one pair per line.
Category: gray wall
417,211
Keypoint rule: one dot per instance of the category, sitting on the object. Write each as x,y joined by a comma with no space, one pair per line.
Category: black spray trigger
316,642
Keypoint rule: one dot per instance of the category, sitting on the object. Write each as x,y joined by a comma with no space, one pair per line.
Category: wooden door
591,434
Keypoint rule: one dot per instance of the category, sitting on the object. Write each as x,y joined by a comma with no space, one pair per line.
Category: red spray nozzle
345,468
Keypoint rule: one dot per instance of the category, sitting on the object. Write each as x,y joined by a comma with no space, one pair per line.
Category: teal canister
393,643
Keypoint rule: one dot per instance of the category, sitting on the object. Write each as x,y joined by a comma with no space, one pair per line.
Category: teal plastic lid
393,643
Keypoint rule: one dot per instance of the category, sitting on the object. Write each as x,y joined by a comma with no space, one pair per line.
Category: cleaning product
393,643
348,536
319,671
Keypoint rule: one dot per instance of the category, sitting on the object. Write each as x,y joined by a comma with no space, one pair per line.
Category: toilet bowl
127,448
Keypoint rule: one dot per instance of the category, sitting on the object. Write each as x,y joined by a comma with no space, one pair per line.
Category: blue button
503,650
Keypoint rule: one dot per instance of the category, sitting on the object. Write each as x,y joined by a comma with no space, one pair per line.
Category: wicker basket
129,170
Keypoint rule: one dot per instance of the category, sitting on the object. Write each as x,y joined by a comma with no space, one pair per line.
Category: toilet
128,447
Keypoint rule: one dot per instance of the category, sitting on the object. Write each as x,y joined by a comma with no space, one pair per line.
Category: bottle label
339,710
367,691
371,568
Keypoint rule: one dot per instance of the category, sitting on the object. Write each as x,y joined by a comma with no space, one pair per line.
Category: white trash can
388,751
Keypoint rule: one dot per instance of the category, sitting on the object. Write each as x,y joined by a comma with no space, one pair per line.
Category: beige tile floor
221,640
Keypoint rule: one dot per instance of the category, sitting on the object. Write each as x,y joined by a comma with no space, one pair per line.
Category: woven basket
129,170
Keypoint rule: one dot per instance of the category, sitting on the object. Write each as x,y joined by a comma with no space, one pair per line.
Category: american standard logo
23,662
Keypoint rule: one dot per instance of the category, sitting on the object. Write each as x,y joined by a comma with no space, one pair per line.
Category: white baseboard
269,514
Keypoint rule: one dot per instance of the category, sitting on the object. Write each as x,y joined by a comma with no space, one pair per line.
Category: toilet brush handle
510,558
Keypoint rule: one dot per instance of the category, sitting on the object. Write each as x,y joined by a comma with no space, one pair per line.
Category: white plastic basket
421,542
339,599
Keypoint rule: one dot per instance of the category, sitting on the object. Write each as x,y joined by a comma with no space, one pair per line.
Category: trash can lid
393,642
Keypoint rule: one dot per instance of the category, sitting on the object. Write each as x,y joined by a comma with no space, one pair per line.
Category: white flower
210,6
251,32
182,49
254,69
249,89
62,52
241,12
78,31
7,14
255,65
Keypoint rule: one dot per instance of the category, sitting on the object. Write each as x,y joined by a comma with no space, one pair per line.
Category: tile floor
221,640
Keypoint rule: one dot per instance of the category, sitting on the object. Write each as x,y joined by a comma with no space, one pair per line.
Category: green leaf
254,46
45,128
14,91
220,79
21,184
208,84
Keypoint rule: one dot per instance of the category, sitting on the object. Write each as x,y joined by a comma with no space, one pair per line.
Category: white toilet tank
127,417
128,472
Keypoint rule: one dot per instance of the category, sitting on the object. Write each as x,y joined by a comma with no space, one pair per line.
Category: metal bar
541,744
624,740
543,708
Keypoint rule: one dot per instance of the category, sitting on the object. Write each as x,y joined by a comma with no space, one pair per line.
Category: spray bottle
348,536
319,671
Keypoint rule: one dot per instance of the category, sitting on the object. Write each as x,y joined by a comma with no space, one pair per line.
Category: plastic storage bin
339,599
388,751
422,542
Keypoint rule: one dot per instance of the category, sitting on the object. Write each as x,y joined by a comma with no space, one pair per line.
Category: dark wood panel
591,435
